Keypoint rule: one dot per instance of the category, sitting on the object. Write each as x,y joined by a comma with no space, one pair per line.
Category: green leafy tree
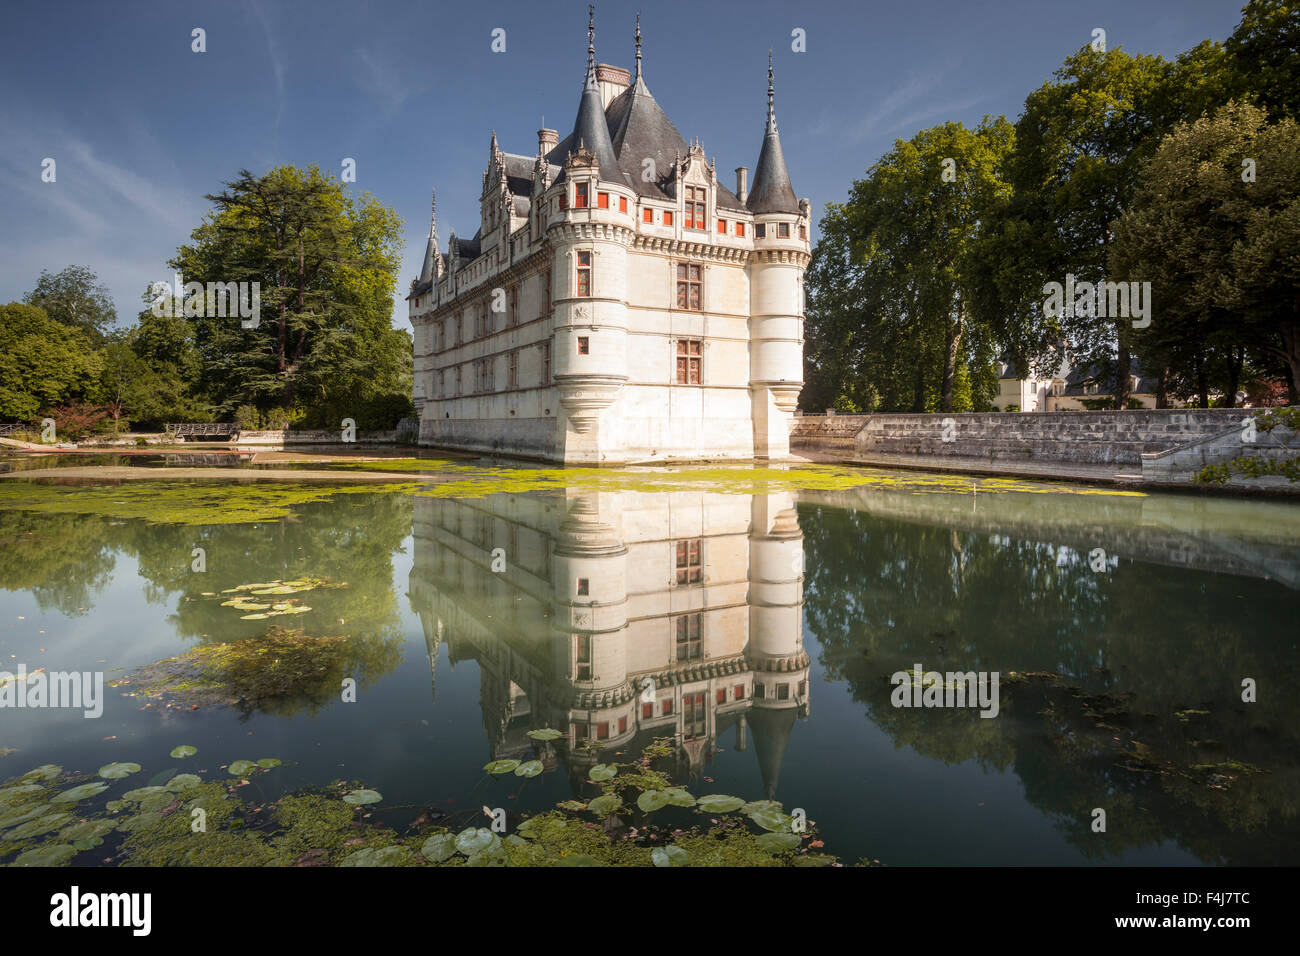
45,362
1264,55
1218,242
326,265
76,298
890,281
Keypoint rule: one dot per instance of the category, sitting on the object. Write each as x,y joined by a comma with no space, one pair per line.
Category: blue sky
141,127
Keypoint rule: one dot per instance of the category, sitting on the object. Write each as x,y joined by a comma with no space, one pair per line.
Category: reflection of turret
775,650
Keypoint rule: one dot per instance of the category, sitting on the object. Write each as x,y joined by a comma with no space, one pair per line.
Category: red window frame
584,345
740,229
580,196
668,218
622,204
647,215
690,287
694,209
722,227
602,200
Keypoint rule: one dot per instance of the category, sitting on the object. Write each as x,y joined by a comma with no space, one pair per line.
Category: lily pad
55,855
183,751
183,781
39,826
116,771
573,805
139,793
21,816
669,856
608,803
47,772
160,779
652,800
87,834
547,733
501,766
602,772
679,797
80,793
140,821
775,842
267,763
240,767
760,805
471,840
530,769
439,847
383,856
359,798
719,803
771,820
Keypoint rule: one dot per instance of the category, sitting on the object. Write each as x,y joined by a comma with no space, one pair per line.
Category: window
783,230
688,287
622,204
803,232
564,202
442,384
783,692
647,711
668,218
622,725
760,691
688,361
582,656
546,292
803,688
696,199
760,231
512,370
546,363
740,229
584,586
458,379
722,695
580,196
688,637
584,345
668,707
513,317
584,273
460,328
602,731
693,715
688,561
722,227
739,692
438,337
602,200
647,215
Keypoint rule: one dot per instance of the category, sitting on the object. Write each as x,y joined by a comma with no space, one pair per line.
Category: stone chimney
612,81
742,183
547,139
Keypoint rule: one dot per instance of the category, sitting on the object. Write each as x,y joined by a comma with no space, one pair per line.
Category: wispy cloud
379,78
277,60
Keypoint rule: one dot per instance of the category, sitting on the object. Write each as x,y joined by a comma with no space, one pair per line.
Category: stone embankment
1141,446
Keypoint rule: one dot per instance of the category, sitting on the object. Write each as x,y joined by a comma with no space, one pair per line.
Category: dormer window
580,196
696,201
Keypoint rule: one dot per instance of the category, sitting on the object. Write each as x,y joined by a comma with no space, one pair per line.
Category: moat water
1146,647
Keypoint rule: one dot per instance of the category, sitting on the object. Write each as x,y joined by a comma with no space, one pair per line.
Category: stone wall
320,436
1093,438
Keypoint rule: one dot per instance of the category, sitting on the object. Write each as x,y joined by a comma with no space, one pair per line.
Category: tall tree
890,279
326,266
77,298
1264,53
1215,225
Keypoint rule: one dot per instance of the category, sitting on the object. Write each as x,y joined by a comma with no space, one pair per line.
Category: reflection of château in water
701,593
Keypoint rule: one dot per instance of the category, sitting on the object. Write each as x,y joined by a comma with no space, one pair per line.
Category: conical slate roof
772,191
590,129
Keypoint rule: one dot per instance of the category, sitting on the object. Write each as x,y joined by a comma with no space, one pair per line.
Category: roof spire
638,45
771,95
591,43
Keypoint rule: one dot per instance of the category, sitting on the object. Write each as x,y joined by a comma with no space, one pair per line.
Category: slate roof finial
638,45
771,95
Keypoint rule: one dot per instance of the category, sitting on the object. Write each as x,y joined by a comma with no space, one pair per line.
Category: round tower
777,264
